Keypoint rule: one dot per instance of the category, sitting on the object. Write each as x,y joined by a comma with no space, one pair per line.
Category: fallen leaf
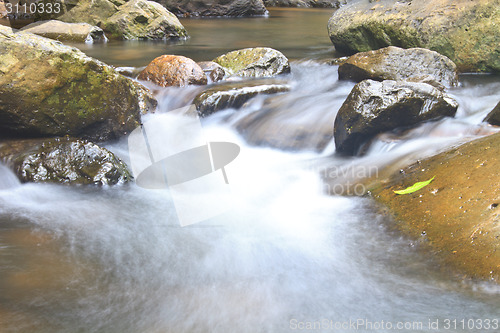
415,187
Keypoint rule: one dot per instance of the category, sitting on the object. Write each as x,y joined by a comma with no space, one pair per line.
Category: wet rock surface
457,215
70,32
215,7
140,19
373,107
494,116
49,89
464,31
171,70
394,63
254,62
234,95
213,71
63,160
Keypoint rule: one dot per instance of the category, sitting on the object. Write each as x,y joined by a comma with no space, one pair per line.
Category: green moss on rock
49,89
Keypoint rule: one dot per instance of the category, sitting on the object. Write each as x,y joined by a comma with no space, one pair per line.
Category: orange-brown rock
171,70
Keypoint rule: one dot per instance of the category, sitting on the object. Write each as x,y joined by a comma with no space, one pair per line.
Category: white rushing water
284,256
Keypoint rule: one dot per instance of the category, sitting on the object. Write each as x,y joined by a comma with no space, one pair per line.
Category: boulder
457,215
215,7
140,19
465,31
50,89
213,71
67,32
234,95
93,12
63,160
494,116
394,63
254,62
305,3
172,70
374,107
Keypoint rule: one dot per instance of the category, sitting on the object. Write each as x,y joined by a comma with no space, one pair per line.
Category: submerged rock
234,95
213,71
275,125
49,89
63,160
373,107
171,70
215,7
464,31
494,116
254,62
394,63
140,19
457,215
70,32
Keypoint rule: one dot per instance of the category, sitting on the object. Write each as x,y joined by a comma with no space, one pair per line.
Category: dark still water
298,33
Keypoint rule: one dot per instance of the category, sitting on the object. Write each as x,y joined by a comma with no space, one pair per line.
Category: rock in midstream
235,94
172,70
373,107
394,63
254,62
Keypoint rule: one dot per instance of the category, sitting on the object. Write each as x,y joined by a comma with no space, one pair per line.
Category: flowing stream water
284,256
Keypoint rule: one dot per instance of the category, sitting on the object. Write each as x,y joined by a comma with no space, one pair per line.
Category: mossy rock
140,19
234,95
464,31
254,62
49,89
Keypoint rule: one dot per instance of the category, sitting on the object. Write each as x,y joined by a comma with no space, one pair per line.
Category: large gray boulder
394,63
215,7
465,31
374,107
50,89
140,19
63,160
122,19
234,95
66,32
254,62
